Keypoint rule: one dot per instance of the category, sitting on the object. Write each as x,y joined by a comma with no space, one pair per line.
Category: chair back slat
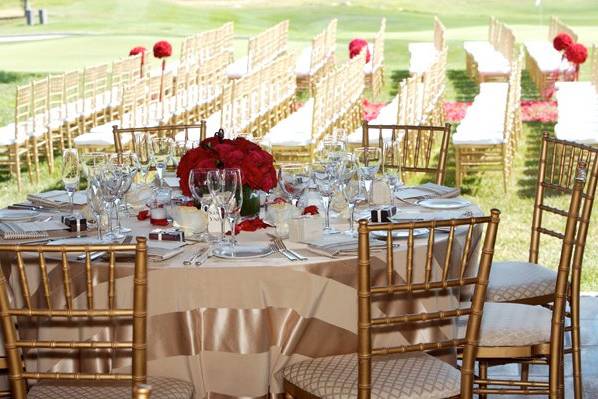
51,307
427,285
169,131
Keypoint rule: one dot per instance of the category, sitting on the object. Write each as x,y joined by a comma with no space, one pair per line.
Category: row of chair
423,54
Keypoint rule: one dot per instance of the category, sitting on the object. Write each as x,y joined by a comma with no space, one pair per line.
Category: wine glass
331,150
91,162
326,177
368,160
222,185
353,191
293,179
111,180
127,165
96,202
234,206
198,185
179,149
71,173
144,150
163,148
392,167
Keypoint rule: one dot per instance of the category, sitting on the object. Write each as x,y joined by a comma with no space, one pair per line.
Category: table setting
251,263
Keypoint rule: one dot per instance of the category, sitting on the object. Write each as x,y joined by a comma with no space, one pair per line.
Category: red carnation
562,41
162,49
355,47
138,50
576,53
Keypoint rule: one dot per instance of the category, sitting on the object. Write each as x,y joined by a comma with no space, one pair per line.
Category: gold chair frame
368,325
158,131
138,314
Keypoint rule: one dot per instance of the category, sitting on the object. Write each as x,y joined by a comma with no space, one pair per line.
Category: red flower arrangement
355,47
256,165
162,49
250,225
576,53
138,50
562,42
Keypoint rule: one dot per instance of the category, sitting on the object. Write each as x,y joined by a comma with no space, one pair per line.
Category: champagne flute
326,177
96,202
222,186
144,150
294,179
163,148
392,167
198,185
368,160
71,173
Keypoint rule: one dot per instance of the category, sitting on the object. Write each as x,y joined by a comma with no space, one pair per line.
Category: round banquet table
229,326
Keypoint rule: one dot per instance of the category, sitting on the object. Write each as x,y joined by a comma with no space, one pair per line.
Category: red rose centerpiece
139,50
562,41
355,47
162,50
256,165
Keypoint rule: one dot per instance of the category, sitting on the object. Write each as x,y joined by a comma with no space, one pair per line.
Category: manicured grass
109,28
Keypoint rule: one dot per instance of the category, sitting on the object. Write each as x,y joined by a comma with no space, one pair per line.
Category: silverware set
198,258
279,246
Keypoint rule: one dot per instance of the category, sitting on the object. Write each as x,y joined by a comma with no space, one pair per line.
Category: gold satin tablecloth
230,326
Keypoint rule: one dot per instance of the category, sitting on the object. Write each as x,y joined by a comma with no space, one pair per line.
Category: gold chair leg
18,169
524,373
483,366
36,158
576,351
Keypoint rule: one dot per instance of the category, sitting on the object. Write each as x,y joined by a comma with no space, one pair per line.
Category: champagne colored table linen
230,326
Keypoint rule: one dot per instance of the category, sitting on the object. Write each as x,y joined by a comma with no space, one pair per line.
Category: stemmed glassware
163,148
91,162
223,186
198,185
179,148
392,168
294,179
326,178
127,165
70,173
353,192
332,150
368,161
95,200
111,180
234,207
145,154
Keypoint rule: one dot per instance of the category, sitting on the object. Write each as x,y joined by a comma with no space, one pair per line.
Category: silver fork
276,246
283,246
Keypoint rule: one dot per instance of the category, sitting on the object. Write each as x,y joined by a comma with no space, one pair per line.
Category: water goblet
368,161
127,165
95,201
353,192
111,180
144,150
294,179
70,173
163,148
222,185
198,185
326,177
234,206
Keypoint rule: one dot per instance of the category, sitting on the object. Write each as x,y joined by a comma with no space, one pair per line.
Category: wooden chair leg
18,169
50,151
458,179
483,366
524,373
35,158
576,351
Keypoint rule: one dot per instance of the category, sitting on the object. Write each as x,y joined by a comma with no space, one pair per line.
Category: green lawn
103,30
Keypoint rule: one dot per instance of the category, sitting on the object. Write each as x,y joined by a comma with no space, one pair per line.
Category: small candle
158,213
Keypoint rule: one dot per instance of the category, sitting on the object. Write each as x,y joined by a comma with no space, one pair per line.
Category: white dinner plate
381,235
444,203
243,251
17,215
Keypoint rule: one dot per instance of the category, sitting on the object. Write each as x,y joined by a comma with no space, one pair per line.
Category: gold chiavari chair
94,96
424,149
73,106
100,308
528,334
314,60
14,138
530,282
142,391
374,77
381,370
57,107
40,133
124,137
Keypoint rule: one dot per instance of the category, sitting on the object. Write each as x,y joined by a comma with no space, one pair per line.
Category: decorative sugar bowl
279,214
189,219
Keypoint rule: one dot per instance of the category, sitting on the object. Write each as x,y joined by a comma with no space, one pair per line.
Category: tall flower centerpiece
139,50
162,50
256,165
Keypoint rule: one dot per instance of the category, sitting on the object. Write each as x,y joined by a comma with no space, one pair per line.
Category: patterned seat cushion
512,324
162,388
513,281
408,376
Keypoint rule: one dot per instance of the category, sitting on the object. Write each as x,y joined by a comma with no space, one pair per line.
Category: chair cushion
512,324
407,376
237,69
513,281
162,388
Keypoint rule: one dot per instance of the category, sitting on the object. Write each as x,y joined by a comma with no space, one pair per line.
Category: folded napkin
57,199
162,250
339,245
426,191
413,215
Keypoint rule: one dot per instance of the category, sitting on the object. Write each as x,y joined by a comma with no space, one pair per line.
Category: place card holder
167,235
74,223
383,215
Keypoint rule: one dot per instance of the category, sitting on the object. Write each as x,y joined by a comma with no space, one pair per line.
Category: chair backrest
40,104
23,107
331,37
72,93
435,279
439,35
267,45
594,67
56,94
557,26
100,308
169,131
95,86
556,177
424,149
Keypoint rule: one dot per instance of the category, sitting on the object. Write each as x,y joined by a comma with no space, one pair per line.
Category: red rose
162,49
258,171
138,50
279,200
355,47
195,158
211,142
231,155
562,41
576,53
250,225
245,145
310,210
